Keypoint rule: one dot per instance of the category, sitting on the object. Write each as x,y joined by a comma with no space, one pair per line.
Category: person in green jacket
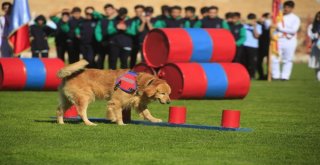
212,20
239,32
61,35
174,21
139,17
190,19
104,29
117,30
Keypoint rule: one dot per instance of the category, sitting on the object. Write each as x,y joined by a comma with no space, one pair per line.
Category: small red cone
230,119
71,112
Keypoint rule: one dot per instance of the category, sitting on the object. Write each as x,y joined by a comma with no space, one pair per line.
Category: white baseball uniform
287,44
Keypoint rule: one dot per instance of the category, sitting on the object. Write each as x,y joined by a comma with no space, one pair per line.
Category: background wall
304,8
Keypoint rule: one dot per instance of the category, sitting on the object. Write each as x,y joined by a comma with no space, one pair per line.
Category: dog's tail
70,69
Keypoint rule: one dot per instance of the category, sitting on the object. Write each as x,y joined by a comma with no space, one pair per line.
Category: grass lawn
284,116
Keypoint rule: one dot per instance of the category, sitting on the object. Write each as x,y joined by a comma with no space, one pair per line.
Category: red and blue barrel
29,73
168,45
206,80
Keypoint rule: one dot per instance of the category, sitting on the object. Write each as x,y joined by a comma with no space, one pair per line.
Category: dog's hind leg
82,106
62,108
115,109
111,115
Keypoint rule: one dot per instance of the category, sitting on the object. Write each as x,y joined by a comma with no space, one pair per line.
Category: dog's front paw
120,123
91,124
156,121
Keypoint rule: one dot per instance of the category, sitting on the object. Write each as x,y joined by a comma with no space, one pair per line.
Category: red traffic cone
71,112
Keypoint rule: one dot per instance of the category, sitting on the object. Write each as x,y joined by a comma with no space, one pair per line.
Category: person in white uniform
314,34
287,43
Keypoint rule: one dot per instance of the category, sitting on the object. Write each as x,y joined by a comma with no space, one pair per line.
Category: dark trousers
74,53
37,53
263,52
88,54
134,54
61,50
115,52
237,57
249,59
102,51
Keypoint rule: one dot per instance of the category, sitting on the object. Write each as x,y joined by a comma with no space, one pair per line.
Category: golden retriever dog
81,86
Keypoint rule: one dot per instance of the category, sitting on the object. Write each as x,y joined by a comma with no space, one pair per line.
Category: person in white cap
287,42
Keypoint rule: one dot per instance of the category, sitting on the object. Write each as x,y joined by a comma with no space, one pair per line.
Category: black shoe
284,79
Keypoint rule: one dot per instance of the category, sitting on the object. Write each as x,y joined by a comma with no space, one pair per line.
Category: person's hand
148,18
31,38
274,26
78,36
254,23
122,26
143,19
90,11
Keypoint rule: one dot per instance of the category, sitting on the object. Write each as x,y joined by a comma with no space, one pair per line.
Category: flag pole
270,43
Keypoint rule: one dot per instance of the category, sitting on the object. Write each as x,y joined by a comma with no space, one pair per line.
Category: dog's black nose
168,102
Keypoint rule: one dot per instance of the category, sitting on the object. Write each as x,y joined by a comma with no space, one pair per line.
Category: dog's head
154,88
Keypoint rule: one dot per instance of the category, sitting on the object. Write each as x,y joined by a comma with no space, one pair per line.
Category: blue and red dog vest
127,82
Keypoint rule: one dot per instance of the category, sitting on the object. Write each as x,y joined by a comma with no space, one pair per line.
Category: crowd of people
114,34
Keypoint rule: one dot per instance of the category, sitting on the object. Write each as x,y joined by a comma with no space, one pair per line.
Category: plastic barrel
29,73
170,45
206,80
142,67
52,66
36,73
187,80
12,74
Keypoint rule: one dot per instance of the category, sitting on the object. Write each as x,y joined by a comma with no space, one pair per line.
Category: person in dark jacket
264,42
96,16
85,33
120,39
204,11
74,45
165,13
190,19
61,35
146,24
39,33
103,32
174,21
239,33
212,20
139,11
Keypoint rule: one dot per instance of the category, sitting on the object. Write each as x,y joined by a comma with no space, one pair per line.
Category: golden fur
82,86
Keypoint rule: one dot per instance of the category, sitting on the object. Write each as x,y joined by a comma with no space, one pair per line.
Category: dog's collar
127,82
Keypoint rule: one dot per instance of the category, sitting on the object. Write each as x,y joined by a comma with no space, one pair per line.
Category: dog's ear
150,91
145,79
149,82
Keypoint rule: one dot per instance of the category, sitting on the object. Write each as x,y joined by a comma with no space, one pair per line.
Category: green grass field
284,116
